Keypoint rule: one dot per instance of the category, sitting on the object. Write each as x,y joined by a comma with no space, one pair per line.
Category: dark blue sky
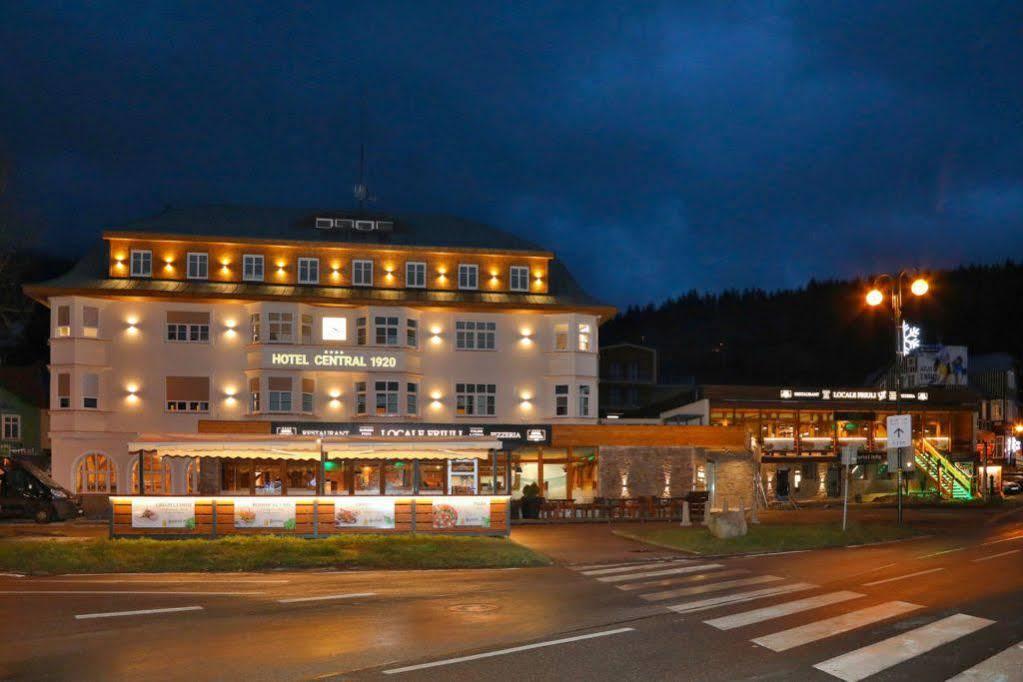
656,148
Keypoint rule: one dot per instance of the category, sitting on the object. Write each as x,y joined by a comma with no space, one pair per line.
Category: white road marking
738,598
143,612
829,627
502,652
129,592
738,620
668,582
12,575
944,551
1008,539
902,577
325,597
709,587
1006,666
874,658
588,567
626,569
655,574
995,556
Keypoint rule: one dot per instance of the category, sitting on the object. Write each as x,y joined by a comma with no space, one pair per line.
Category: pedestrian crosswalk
691,586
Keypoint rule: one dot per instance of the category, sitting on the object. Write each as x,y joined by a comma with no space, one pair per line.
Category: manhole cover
473,608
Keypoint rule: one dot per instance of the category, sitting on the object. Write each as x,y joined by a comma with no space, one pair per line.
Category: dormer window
198,266
141,263
468,276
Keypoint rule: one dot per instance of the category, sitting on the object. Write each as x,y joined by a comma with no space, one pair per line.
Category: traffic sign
900,431
849,455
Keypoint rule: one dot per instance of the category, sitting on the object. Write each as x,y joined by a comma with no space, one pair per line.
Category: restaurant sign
264,513
355,513
154,512
337,359
878,394
457,512
510,435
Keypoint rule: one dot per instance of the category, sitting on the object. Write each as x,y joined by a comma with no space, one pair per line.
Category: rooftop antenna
361,191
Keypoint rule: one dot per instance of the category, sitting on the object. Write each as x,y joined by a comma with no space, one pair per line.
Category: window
188,327
415,275
90,322
64,390
254,326
188,394
561,336
412,333
412,399
398,478
252,268
518,278
475,400
307,329
63,320
561,400
308,393
362,273
95,474
584,338
141,264
366,477
279,327
386,331
360,331
12,427
360,397
279,394
90,391
156,474
254,394
584,401
468,276
198,266
471,335
386,396
335,328
308,270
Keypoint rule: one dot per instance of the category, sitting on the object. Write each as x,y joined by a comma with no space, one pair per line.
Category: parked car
28,492
1012,487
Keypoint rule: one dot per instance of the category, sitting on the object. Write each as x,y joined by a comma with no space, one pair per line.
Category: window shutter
254,385
308,385
280,383
64,385
188,388
64,316
90,316
187,317
90,385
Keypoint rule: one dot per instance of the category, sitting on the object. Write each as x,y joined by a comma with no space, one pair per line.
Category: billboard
941,366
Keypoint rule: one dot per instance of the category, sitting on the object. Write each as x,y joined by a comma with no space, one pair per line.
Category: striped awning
308,448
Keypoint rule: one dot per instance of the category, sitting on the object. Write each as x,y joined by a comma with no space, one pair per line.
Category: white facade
111,359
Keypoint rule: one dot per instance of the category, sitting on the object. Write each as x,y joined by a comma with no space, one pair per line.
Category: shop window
252,268
336,477
386,397
279,394
518,278
473,335
198,266
561,400
90,322
386,329
95,473
584,401
268,477
306,329
236,476
301,478
308,395
398,477
63,320
362,273
141,263
360,331
188,327
188,394
561,336
468,276
431,478
475,400
90,391
412,399
412,333
308,270
366,477
254,394
254,326
64,390
12,427
415,275
585,338
280,327
156,474
360,397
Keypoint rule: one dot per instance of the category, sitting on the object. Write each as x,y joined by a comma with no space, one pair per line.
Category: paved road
927,609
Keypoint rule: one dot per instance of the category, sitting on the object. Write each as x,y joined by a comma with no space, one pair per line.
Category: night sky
656,148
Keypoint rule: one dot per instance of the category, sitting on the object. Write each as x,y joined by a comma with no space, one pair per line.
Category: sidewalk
586,543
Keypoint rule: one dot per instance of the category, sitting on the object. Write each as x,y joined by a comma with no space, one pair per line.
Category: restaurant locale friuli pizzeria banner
157,513
458,512
264,513
364,514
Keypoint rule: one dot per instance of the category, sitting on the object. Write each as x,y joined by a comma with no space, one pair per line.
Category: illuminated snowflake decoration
910,338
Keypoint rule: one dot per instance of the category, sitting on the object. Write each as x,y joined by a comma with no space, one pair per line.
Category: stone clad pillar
209,475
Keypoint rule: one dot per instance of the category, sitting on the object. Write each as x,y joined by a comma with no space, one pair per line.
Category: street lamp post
875,297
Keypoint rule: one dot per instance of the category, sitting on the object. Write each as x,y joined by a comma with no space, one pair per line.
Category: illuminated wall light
435,400
435,337
133,325
168,263
527,337
133,393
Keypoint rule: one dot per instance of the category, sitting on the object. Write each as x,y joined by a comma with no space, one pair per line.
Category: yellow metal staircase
952,482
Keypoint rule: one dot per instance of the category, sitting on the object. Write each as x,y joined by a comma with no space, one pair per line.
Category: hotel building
253,354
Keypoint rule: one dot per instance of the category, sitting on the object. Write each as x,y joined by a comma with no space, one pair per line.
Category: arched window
95,473
157,474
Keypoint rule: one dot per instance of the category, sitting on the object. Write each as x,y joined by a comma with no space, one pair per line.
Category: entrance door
782,487
834,481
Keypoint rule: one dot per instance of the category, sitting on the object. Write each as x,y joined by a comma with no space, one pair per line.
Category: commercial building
325,372
24,420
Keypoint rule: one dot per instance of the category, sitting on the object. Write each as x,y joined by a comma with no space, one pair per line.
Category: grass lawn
768,537
100,555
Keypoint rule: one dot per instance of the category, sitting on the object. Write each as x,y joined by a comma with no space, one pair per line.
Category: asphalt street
926,609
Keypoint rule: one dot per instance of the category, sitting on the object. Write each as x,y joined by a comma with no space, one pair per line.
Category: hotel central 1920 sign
334,359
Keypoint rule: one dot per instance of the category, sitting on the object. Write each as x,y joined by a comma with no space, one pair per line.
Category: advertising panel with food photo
364,514
464,512
264,513
157,513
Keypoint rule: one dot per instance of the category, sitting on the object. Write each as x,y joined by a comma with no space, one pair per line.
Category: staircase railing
942,471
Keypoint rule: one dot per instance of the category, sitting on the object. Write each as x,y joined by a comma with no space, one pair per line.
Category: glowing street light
874,297
919,286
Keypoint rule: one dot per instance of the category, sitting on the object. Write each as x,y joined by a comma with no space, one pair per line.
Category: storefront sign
356,513
264,513
880,395
458,512
334,359
510,435
162,513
